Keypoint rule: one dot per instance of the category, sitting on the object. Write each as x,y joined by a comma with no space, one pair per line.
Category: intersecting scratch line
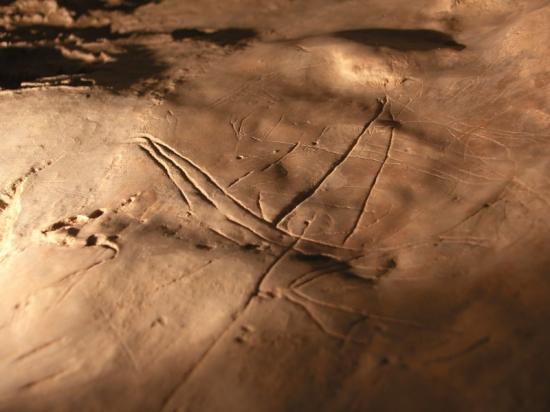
163,166
236,317
266,167
371,188
368,315
270,232
302,197
218,191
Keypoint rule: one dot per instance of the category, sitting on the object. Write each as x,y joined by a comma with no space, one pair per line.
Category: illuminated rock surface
274,205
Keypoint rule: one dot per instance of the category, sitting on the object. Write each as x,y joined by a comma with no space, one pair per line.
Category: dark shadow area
224,37
38,32
80,7
324,263
27,64
24,63
31,64
135,64
318,259
402,39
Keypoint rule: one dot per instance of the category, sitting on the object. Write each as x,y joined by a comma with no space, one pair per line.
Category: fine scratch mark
43,380
316,320
193,272
263,169
316,274
238,127
303,196
172,393
10,207
496,197
255,232
274,127
115,331
166,170
223,201
270,268
470,348
371,188
321,134
240,179
236,316
366,314
163,148
283,157
79,274
224,236
259,203
37,349
233,210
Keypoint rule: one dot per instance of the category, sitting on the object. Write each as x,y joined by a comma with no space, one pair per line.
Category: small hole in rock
58,225
96,213
73,231
91,241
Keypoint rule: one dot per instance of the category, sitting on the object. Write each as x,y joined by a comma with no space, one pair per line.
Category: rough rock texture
253,205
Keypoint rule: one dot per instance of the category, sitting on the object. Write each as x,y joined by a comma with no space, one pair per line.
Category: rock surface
254,205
